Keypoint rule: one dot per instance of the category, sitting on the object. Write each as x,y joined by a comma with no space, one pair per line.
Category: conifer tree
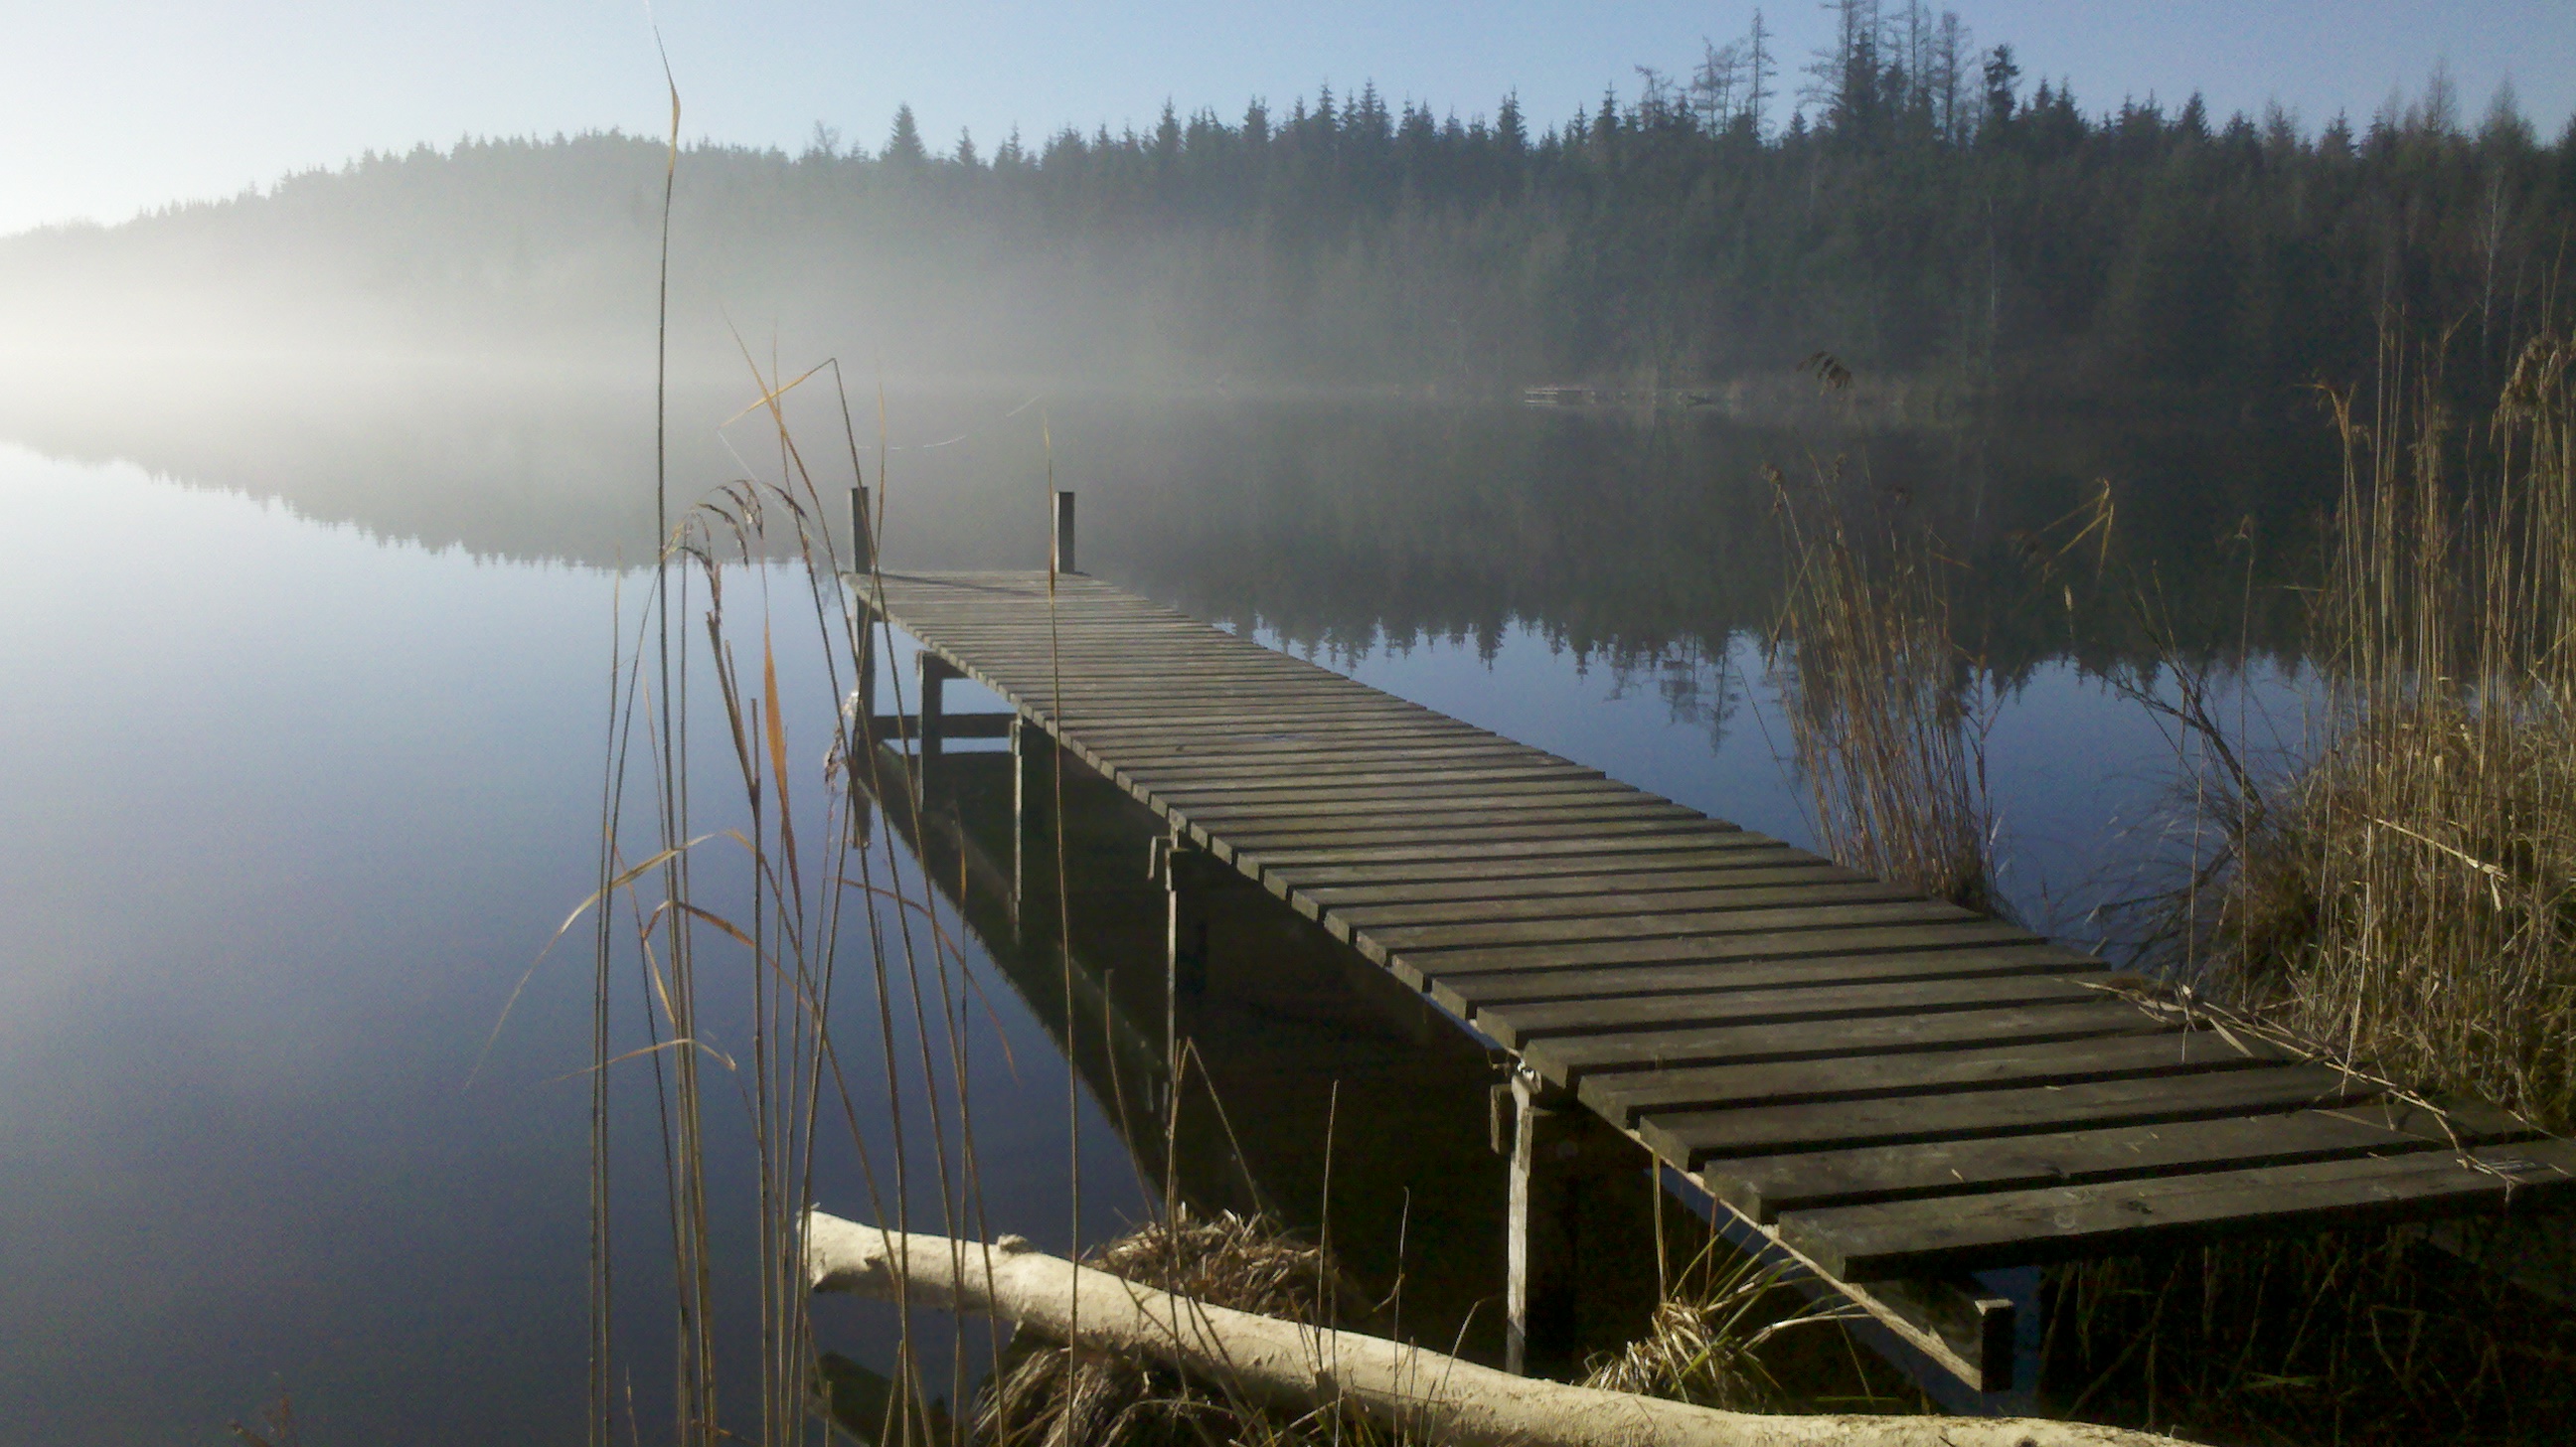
2002,92
903,147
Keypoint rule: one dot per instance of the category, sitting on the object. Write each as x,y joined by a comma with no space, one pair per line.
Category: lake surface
304,694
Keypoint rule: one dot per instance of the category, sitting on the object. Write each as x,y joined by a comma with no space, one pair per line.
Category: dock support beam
1954,1320
1060,533
860,735
1211,911
1191,876
932,673
1560,1153
1033,764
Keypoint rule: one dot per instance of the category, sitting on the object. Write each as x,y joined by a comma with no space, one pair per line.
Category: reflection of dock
1893,1089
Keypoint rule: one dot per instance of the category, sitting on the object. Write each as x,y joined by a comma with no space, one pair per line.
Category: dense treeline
1924,213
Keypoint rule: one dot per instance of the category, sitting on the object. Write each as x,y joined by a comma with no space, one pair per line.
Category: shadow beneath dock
1312,1086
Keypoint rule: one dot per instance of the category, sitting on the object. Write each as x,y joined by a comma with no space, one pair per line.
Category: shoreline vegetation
1913,202
2391,892
2396,886
2408,895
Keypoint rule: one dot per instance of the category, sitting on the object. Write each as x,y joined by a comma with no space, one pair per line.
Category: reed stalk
816,892
1883,706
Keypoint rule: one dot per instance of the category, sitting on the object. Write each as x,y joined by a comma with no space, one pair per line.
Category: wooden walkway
1888,1086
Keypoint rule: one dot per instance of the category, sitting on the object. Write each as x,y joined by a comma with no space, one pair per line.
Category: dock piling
1561,1152
1033,757
1060,553
931,673
1189,873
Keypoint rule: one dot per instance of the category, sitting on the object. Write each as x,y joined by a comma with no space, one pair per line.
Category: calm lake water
303,693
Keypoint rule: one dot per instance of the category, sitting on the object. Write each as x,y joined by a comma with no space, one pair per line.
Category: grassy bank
2396,891
2409,897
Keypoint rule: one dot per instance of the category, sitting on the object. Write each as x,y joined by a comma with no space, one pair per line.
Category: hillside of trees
1928,212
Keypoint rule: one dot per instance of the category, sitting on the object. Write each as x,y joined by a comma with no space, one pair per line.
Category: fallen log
1294,1368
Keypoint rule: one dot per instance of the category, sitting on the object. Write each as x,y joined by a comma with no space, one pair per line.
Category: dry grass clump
1705,1343
1880,703
1247,1263
2410,898
1054,1396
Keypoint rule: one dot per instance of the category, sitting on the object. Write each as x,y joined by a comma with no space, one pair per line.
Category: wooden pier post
931,673
1190,876
1060,522
1191,873
1210,908
1033,760
1560,1151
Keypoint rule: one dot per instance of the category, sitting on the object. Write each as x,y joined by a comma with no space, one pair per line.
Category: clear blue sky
109,107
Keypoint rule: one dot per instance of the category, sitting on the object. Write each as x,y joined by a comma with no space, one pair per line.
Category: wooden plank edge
2094,1221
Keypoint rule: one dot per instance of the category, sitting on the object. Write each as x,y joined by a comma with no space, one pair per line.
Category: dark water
303,697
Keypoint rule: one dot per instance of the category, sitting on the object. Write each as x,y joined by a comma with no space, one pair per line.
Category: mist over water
1335,516
304,694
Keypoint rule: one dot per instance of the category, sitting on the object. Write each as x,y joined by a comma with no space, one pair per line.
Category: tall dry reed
2409,898
734,986
1881,702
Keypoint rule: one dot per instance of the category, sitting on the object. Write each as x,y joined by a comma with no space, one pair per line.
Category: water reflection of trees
1641,541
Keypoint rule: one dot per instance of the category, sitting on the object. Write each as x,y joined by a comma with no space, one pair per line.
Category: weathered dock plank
1963,1171
1623,1097
2130,1214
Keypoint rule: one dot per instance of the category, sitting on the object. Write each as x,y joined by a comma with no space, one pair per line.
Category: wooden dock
1894,1090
